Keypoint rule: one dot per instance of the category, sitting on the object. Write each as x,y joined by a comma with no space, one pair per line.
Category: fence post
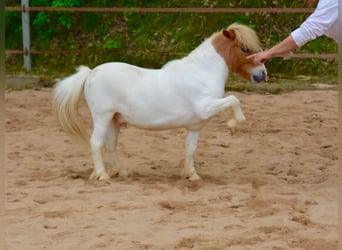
25,17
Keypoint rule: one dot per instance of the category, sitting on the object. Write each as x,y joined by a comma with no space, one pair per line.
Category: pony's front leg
210,107
191,146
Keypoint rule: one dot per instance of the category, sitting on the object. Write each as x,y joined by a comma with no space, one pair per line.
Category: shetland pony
185,93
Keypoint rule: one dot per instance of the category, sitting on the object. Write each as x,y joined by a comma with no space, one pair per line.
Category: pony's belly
162,123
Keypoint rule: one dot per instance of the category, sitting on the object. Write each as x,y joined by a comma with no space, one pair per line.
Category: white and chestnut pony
185,93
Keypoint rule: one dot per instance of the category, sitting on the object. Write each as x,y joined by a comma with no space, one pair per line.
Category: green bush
151,39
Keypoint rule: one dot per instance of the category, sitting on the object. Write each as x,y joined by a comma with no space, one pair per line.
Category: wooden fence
25,9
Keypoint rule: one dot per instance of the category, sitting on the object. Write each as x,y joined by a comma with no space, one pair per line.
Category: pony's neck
206,57
205,49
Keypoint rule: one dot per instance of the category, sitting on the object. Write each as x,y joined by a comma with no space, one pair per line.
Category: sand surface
272,185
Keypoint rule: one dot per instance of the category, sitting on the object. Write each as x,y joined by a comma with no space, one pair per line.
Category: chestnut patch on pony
234,44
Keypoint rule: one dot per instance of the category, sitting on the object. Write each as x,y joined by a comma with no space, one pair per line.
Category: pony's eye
245,50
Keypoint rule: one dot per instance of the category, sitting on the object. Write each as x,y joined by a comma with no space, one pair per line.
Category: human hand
260,57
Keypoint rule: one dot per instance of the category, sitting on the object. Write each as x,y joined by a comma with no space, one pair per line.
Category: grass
279,84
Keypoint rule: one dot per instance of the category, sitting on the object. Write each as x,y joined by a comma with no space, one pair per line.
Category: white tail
67,94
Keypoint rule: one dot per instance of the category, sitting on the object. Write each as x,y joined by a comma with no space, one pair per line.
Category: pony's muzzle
259,74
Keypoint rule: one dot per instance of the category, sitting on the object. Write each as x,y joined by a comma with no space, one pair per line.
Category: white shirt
323,21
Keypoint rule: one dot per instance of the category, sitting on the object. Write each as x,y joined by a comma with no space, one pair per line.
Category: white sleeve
318,23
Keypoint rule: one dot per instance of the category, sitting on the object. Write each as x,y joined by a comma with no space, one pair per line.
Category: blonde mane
246,36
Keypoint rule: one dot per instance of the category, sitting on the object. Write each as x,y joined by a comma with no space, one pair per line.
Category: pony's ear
229,34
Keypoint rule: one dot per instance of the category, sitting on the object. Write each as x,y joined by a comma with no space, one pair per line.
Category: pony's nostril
259,74
259,77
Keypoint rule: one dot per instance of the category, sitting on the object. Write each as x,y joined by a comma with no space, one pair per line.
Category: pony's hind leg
190,149
115,167
101,124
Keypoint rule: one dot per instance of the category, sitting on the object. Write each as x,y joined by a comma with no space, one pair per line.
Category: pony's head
234,44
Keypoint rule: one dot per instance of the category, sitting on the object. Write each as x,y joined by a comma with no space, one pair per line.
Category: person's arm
323,21
284,47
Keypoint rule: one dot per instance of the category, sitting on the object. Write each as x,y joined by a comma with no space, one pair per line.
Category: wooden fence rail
161,10
25,9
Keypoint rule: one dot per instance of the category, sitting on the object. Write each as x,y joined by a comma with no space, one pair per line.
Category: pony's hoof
194,177
191,176
100,177
233,126
232,123
123,172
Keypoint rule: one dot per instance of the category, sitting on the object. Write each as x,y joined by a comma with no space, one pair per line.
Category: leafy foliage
151,39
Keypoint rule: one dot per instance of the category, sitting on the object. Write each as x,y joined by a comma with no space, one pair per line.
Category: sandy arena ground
272,185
